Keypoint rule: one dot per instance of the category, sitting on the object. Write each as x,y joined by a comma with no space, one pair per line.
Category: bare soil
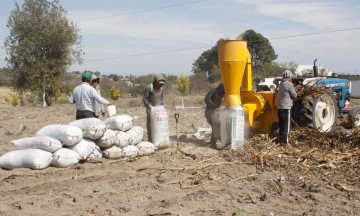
195,180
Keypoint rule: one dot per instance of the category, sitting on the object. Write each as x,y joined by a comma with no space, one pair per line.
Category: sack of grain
67,134
130,151
136,134
28,158
145,148
113,152
107,140
92,128
122,139
64,158
159,127
96,154
84,148
119,122
38,142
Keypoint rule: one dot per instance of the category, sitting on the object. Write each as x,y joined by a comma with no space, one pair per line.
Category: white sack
136,134
107,140
28,158
64,158
84,148
38,142
67,134
119,122
96,154
130,151
145,148
92,128
159,127
113,152
122,139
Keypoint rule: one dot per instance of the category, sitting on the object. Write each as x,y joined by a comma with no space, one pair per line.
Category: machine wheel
320,112
355,114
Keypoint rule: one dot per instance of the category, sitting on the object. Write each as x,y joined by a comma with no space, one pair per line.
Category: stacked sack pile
85,139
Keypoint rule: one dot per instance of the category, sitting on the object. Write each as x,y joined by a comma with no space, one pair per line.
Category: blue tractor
321,110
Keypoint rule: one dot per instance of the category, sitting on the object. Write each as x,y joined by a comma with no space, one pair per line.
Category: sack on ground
29,158
145,148
96,154
92,128
107,140
38,142
122,139
84,148
119,122
136,134
67,134
130,151
159,127
64,158
113,152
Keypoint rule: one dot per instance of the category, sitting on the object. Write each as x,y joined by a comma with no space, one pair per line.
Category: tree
260,49
292,66
42,44
114,93
205,63
198,82
183,84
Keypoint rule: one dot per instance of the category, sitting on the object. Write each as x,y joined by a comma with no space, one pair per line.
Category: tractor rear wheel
319,112
355,114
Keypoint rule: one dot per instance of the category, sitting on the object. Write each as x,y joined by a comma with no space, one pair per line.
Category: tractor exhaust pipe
315,69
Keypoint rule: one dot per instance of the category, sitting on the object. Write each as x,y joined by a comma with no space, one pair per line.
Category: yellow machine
260,109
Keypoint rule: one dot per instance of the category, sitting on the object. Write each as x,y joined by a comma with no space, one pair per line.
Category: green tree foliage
292,66
260,49
42,44
205,63
183,84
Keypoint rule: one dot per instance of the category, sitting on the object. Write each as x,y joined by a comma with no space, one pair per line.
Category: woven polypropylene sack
93,128
28,158
130,151
145,148
84,148
136,135
119,122
107,140
113,152
64,158
38,142
122,139
67,134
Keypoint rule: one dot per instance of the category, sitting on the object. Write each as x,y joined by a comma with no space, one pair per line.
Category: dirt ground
194,181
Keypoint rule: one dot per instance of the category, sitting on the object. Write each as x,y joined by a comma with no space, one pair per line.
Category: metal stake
176,115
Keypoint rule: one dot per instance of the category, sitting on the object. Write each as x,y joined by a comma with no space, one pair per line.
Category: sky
139,37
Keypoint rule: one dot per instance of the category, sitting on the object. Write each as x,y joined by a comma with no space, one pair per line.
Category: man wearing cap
286,95
85,97
99,108
153,96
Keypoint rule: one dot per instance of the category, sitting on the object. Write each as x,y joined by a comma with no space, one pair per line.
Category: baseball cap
86,76
287,74
94,77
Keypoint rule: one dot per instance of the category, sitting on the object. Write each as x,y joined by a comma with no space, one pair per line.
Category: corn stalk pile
305,90
330,155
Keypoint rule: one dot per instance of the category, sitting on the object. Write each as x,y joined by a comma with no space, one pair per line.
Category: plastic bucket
111,110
